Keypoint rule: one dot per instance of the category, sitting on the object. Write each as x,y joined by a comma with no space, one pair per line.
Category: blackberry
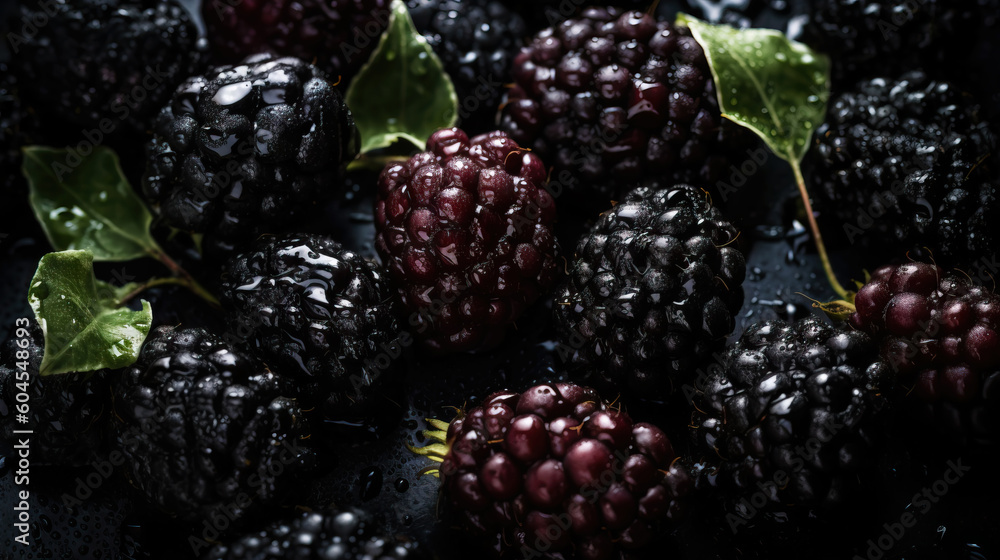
652,292
557,472
204,428
339,35
866,38
247,149
319,314
940,334
465,230
68,411
476,41
794,411
898,166
612,98
94,62
344,534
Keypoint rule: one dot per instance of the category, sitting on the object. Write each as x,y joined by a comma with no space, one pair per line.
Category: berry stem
820,246
184,278
150,284
375,163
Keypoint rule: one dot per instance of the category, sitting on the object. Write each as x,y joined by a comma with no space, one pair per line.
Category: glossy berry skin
320,315
248,149
338,534
465,230
939,334
95,63
476,41
801,401
339,35
652,291
68,412
556,472
899,165
202,425
611,98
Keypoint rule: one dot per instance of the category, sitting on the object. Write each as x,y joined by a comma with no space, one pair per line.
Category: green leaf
84,329
403,92
87,204
772,85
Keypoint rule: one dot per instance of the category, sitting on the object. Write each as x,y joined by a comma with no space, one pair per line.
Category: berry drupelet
465,230
203,426
248,149
339,35
557,472
102,63
320,315
613,98
901,164
939,334
652,291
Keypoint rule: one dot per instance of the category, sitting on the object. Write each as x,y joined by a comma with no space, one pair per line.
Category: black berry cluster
652,291
248,149
339,35
903,164
205,429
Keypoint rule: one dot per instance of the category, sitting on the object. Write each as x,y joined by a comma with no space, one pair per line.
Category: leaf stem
375,163
151,284
820,246
184,278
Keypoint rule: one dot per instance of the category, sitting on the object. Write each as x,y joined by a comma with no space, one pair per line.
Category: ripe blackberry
204,428
247,149
319,314
898,165
652,291
345,534
867,38
556,472
67,411
476,41
940,334
94,62
793,411
612,98
339,35
465,230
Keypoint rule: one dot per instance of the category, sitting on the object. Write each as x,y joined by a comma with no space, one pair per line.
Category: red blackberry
247,149
612,98
101,63
940,334
556,472
68,411
465,229
205,429
793,411
319,314
339,35
652,292
476,41
901,164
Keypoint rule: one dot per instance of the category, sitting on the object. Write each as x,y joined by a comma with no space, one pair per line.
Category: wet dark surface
382,476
